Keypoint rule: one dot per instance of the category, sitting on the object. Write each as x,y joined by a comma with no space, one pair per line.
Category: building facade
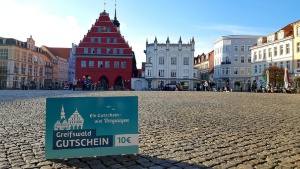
105,56
22,64
274,50
296,49
232,61
170,64
60,64
204,64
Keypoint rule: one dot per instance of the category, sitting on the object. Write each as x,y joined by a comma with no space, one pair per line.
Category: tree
276,74
297,80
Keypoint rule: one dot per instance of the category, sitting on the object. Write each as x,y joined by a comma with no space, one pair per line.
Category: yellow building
296,44
22,64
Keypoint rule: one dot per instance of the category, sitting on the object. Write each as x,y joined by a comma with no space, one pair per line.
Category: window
149,59
100,64
185,72
99,29
92,40
255,56
287,48
281,49
242,59
161,73
223,71
41,71
255,69
30,70
275,51
249,71
185,61
123,65
270,64
259,55
108,40
108,29
288,65
235,70
298,63
270,53
107,64
86,50
114,51
35,71
227,48
227,71
161,60
107,51
115,40
249,59
281,64
149,72
3,67
242,48
83,63
23,68
249,48
235,48
121,51
298,47
259,68
92,50
16,68
236,59
99,40
173,73
264,53
242,70
116,64
298,30
173,61
275,63
99,50
91,64
17,55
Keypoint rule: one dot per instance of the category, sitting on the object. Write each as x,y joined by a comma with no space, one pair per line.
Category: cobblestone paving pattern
188,130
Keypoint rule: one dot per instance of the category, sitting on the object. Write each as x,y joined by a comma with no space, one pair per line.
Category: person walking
74,84
205,85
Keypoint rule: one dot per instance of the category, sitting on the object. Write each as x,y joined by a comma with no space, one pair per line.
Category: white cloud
50,30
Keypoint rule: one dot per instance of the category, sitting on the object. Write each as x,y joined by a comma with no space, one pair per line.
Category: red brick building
105,56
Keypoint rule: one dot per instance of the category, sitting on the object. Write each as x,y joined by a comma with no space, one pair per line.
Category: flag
286,78
267,77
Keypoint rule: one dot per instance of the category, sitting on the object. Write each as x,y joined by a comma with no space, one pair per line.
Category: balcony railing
224,63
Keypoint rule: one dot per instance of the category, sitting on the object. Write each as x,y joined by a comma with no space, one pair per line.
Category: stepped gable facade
105,56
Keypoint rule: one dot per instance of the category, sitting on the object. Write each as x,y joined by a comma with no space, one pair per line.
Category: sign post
91,126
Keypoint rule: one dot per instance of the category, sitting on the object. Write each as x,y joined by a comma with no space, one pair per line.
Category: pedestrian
74,85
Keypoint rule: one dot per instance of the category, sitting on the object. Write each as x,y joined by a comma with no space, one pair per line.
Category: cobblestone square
188,130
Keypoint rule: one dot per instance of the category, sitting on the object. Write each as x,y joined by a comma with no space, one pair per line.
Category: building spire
115,9
104,5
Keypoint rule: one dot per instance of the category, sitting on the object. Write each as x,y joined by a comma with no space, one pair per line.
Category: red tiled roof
61,52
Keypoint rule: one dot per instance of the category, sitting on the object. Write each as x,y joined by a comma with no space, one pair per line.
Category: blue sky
59,23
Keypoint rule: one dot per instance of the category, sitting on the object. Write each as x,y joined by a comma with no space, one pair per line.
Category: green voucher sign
91,126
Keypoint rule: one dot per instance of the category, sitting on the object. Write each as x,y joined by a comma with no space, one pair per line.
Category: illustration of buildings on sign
75,122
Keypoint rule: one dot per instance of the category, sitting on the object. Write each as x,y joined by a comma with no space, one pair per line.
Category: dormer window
280,34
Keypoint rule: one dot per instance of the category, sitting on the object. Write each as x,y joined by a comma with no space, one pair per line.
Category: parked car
170,87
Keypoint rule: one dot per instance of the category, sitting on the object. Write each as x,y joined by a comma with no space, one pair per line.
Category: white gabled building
274,50
168,63
232,61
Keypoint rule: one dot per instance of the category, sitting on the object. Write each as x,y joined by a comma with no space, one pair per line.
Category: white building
232,61
274,50
168,63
